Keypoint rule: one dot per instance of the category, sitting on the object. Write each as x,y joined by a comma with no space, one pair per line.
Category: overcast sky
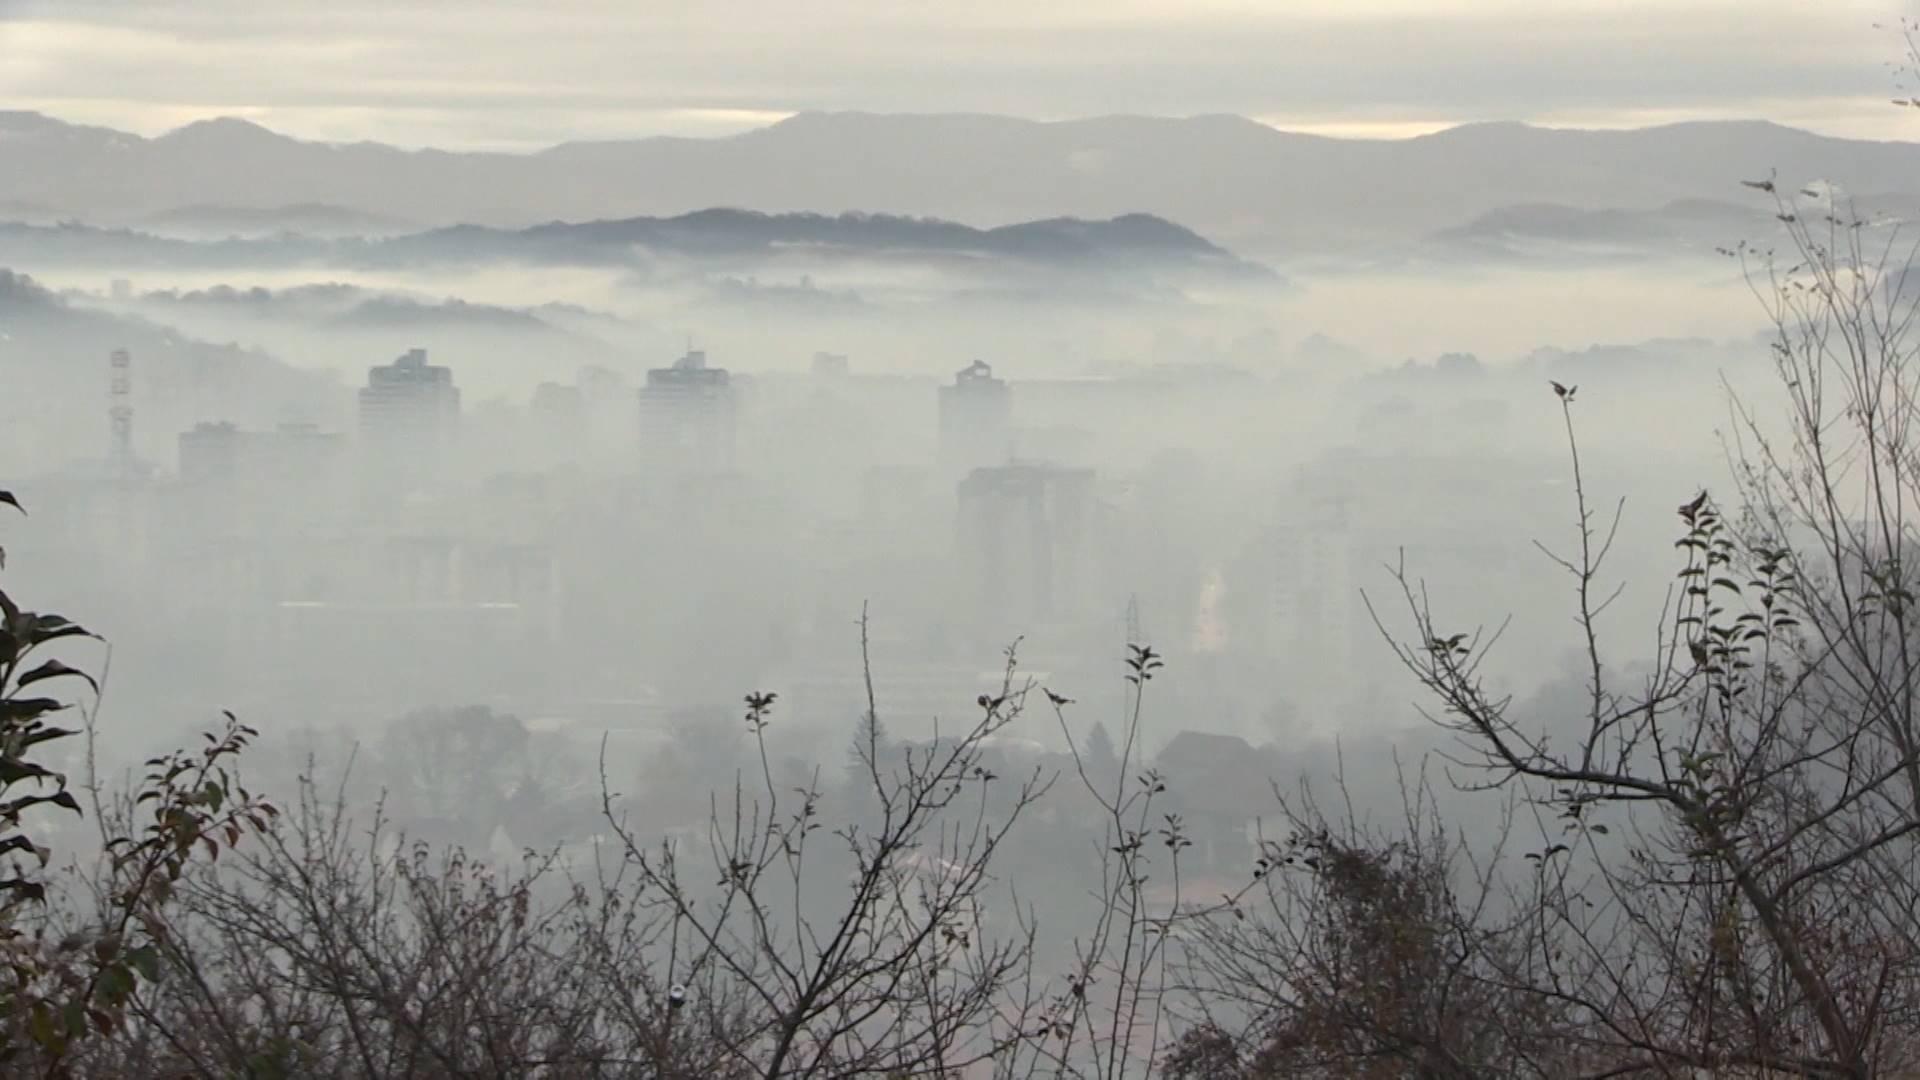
481,73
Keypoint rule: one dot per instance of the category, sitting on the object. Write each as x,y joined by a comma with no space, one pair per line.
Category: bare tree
1106,1015
342,950
879,962
1757,908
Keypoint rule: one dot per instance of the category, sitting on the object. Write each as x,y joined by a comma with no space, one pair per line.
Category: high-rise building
410,402
292,457
687,415
1313,597
1022,537
975,415
210,453
409,419
557,402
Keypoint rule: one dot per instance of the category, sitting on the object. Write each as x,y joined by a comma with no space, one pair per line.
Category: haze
1225,338
483,399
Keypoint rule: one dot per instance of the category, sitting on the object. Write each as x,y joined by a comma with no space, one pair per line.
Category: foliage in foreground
74,969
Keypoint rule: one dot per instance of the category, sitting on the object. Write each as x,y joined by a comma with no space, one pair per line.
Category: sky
473,74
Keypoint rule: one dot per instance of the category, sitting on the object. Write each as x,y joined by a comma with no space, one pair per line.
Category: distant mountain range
1698,226
1242,183
734,233
1684,225
305,219
705,235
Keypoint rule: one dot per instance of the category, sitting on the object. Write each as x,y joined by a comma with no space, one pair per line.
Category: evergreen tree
1101,759
870,744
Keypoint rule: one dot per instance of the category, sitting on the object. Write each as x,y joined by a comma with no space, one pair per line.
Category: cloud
486,72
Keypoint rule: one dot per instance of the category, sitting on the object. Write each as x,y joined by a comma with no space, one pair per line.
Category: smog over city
1216,541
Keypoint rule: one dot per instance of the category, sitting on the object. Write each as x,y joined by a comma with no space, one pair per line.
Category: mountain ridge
715,232
32,119
1247,185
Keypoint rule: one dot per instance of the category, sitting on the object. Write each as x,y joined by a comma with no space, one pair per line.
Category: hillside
706,234
55,351
306,219
734,233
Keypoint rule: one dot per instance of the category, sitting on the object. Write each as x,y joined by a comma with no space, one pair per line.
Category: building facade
409,400
687,416
976,417
1022,540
